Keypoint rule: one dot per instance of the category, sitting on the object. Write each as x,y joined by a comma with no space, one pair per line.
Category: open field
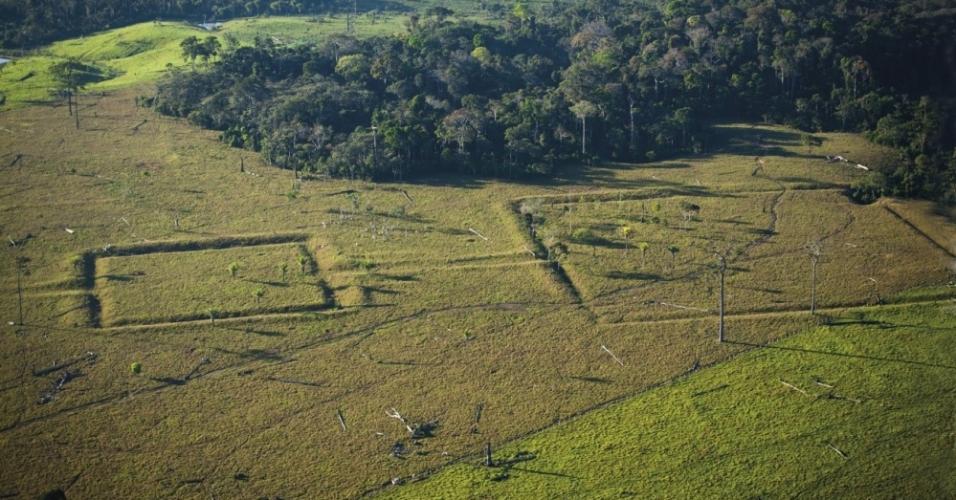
207,284
434,300
868,414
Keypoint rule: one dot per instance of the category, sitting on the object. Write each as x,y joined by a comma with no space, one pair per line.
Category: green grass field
271,278
433,298
862,408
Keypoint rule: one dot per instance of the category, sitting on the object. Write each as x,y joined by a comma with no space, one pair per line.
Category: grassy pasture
180,286
431,318
876,390
764,235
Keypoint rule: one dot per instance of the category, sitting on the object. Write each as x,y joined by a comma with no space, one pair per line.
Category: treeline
604,79
26,23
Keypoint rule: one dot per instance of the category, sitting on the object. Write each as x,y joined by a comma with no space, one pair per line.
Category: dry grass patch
206,284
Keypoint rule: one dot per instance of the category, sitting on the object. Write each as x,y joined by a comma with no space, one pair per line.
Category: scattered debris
338,413
90,356
202,361
417,430
398,449
478,234
57,386
612,354
791,386
838,451
862,167
822,384
678,306
69,230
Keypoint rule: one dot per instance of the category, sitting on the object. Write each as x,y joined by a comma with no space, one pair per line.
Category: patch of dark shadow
169,380
762,232
402,363
621,275
507,464
121,277
733,221
263,355
193,191
709,391
661,166
383,291
193,245
772,291
592,380
599,241
807,183
253,331
862,322
399,277
281,284
452,231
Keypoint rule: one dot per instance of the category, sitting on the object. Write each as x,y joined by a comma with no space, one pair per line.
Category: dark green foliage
617,80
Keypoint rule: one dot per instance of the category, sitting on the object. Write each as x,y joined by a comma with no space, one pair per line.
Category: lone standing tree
69,76
814,251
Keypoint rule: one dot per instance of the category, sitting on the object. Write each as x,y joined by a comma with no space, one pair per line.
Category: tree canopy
623,80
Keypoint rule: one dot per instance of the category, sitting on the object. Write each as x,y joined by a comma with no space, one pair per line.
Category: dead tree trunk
489,462
76,112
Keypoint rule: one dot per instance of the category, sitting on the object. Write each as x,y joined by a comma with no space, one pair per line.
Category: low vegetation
859,406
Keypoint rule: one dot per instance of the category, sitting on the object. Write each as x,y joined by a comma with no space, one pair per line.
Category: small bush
865,191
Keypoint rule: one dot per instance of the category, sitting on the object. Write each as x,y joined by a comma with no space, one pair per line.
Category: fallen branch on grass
338,413
612,355
837,450
801,391
678,306
478,234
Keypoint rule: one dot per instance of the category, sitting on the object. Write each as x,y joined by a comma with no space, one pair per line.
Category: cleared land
439,308
206,284
864,403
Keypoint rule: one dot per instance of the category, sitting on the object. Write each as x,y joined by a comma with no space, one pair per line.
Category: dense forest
624,80
25,23
606,79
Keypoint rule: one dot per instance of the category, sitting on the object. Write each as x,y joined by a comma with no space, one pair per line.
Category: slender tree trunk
489,462
633,146
813,286
76,112
584,135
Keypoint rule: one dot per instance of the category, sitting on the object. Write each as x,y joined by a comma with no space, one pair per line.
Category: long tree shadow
844,355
